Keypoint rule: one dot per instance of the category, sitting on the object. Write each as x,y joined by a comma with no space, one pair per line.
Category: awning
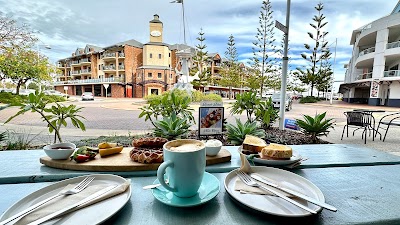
347,86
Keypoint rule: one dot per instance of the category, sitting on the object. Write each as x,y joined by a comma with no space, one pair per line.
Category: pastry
156,142
276,151
146,155
253,144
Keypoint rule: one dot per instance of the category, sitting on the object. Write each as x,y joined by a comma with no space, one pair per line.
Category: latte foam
186,147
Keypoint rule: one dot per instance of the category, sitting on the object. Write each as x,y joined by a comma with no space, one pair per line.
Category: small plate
209,188
277,162
93,214
274,205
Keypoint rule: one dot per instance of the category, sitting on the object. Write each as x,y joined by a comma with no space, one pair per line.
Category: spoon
151,186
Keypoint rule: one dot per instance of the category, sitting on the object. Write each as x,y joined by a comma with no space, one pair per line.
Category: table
24,166
362,194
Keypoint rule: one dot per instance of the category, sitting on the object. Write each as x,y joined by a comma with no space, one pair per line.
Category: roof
131,42
179,47
95,48
157,43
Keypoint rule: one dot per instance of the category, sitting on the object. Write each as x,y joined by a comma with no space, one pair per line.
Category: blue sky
68,24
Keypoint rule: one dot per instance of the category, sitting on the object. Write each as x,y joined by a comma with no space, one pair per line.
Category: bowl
213,147
59,151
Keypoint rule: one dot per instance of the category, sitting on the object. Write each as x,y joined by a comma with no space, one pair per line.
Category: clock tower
156,29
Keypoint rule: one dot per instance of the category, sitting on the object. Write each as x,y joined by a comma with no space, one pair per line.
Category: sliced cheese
110,151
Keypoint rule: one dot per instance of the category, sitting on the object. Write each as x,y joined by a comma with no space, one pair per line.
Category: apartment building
373,74
125,69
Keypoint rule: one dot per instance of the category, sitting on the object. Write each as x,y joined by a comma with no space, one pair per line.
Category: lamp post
46,46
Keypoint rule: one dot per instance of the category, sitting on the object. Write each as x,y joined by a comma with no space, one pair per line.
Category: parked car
276,99
87,96
56,93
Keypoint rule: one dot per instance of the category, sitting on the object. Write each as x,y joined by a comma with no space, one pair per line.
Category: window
159,56
99,67
151,55
169,54
149,75
159,75
170,76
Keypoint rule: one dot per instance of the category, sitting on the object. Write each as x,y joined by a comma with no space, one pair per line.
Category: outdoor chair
360,120
392,119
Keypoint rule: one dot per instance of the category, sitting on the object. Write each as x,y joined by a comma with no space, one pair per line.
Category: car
56,93
276,99
87,96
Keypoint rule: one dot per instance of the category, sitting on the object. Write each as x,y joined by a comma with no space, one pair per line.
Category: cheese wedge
253,143
110,151
276,151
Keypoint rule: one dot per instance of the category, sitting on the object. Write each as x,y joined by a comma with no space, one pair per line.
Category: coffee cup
184,164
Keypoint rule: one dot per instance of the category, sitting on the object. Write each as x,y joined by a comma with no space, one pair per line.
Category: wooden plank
120,162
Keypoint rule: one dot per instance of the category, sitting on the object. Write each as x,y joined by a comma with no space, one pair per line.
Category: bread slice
253,143
276,151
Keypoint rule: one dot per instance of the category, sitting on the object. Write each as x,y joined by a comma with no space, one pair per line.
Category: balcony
108,56
93,81
86,71
364,76
75,63
121,55
85,61
75,72
391,73
121,67
366,51
393,45
109,68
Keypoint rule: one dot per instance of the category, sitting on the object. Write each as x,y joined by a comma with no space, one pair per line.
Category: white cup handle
160,175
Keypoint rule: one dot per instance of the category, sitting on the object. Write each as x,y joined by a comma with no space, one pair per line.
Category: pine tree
231,70
317,53
200,60
264,46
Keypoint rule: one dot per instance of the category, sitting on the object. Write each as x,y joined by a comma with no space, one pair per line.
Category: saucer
209,188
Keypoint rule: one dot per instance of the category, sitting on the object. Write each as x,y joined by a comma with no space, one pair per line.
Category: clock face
155,33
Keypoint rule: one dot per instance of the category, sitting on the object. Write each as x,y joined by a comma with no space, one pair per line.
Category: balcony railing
76,62
364,76
121,67
108,55
121,54
86,71
91,81
110,67
86,60
75,72
391,73
393,45
367,51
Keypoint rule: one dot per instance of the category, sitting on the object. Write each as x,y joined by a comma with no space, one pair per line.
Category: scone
276,151
253,144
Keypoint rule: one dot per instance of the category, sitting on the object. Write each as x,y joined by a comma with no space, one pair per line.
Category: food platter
277,162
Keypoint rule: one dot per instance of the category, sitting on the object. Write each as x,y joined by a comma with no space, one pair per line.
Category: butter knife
74,206
294,193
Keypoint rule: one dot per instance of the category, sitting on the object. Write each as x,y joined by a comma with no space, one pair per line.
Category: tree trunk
312,89
230,92
18,87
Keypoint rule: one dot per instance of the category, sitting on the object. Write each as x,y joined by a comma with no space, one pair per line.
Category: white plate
276,162
93,214
272,204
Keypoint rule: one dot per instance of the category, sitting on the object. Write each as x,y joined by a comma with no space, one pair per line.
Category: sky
65,25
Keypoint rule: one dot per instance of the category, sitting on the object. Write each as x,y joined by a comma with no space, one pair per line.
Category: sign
281,27
211,120
291,124
374,88
65,88
106,86
211,104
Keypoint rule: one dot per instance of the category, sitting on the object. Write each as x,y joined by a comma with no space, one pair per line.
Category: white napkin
68,200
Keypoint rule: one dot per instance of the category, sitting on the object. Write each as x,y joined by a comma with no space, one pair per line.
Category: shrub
212,97
309,99
171,127
266,114
248,102
53,98
153,98
236,134
18,141
197,96
316,126
13,100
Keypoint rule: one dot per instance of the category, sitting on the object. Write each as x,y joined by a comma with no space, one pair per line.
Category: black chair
360,120
388,120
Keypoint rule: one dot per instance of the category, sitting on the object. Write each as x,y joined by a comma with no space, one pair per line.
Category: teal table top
24,166
362,195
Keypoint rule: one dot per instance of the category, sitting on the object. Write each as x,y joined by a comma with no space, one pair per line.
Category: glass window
169,54
151,55
159,75
159,56
149,75
170,76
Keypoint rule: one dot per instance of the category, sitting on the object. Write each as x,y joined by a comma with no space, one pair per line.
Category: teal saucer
209,188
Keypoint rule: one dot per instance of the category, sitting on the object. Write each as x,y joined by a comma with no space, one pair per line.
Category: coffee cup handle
160,175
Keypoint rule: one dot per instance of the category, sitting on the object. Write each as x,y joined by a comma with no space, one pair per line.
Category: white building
373,74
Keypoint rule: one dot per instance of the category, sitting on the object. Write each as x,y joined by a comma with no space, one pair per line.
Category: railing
108,55
75,72
121,54
367,51
121,67
86,71
110,67
391,73
85,60
364,76
86,81
217,64
76,62
393,45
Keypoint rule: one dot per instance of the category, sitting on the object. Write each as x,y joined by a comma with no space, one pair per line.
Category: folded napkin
68,200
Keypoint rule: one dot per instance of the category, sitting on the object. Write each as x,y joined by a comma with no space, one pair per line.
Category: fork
246,179
78,188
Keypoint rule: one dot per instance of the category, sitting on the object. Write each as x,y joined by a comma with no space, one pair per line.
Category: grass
17,141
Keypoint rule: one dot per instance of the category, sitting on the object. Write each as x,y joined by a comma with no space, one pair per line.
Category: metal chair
361,120
392,120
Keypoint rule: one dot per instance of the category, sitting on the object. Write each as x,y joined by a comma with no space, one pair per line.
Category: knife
74,206
294,193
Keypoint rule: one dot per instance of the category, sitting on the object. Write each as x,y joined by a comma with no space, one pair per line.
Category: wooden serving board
120,162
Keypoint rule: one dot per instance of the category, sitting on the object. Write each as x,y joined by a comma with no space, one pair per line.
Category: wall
155,50
117,91
133,60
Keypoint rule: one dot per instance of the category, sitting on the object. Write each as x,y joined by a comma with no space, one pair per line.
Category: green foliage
18,141
212,97
171,127
200,60
236,134
309,99
197,96
176,101
247,101
316,126
265,113
153,98
3,136
17,100
55,116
